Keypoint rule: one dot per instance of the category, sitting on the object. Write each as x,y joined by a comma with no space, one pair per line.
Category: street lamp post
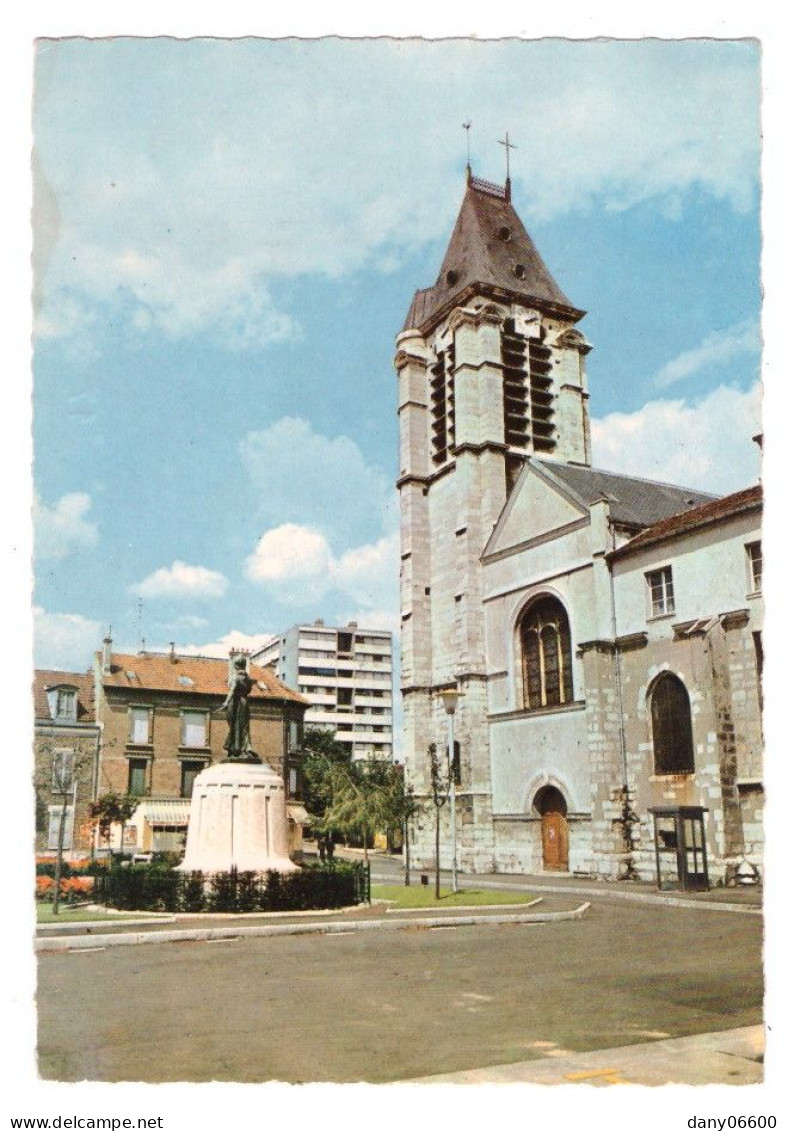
450,697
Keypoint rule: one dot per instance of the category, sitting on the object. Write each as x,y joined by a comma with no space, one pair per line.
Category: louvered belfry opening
528,397
542,398
515,388
442,405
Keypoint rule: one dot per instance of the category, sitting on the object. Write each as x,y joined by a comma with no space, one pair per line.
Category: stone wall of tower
448,512
572,418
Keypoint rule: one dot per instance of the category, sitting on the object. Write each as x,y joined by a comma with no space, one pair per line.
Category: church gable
535,508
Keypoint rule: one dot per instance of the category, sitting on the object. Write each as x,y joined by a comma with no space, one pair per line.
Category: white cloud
707,445
300,475
369,574
250,642
716,348
64,641
64,528
181,581
244,182
297,567
293,562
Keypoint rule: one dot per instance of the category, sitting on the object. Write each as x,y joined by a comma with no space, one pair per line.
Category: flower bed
143,888
73,889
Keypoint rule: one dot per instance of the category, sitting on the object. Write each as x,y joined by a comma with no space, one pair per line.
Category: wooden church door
555,842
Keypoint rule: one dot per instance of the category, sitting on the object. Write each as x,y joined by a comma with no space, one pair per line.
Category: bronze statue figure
238,744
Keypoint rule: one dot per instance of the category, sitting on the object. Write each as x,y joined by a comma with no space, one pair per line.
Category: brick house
65,759
158,713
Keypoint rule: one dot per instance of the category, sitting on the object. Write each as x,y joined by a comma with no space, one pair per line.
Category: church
604,632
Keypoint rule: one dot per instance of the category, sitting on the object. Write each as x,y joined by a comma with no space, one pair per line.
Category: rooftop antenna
507,145
467,127
140,637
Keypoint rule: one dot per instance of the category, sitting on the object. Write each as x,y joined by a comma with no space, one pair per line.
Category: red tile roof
46,678
161,671
716,511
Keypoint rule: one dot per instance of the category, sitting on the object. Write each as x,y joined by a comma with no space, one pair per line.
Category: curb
205,934
634,896
447,910
89,925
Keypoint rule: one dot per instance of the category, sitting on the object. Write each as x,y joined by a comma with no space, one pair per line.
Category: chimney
172,651
106,660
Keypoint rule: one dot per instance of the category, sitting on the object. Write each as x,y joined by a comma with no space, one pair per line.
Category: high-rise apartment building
346,674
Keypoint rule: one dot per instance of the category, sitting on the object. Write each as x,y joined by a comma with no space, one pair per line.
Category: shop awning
172,811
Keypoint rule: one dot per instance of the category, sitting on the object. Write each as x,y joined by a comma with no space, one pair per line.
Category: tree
352,797
113,809
61,768
322,755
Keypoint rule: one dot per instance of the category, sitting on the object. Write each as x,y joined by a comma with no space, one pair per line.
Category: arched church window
671,724
546,649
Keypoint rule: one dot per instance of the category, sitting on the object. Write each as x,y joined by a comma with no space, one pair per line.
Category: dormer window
62,703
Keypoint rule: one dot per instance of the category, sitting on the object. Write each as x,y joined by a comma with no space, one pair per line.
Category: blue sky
227,238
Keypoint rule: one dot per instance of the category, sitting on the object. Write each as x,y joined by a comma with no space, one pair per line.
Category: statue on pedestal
238,744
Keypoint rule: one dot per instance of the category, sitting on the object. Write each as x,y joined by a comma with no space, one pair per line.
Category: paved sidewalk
734,1056
749,900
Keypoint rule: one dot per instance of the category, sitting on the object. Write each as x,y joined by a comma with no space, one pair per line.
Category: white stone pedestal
237,820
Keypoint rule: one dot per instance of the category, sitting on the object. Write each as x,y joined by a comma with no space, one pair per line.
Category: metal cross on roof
508,145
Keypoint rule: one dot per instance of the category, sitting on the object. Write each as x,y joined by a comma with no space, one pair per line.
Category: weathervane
467,127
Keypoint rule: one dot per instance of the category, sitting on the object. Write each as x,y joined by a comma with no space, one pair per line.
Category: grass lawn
418,896
77,914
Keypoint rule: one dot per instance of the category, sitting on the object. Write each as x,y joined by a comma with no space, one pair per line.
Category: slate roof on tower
489,251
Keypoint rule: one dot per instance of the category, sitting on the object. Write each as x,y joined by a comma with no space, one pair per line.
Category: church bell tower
491,371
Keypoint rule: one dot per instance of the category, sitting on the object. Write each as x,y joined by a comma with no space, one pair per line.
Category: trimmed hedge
81,868
141,887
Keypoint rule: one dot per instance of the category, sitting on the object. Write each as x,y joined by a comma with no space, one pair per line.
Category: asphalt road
389,1007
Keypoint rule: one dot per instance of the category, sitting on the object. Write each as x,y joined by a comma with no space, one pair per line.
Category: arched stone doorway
550,804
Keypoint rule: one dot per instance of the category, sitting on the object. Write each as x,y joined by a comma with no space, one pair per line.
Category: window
671,724
62,703
62,771
293,734
194,729
138,777
53,834
755,565
189,771
140,726
546,655
293,781
660,589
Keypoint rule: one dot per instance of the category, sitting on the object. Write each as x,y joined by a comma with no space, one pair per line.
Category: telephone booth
680,843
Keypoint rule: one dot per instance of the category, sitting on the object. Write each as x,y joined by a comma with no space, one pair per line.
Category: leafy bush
45,866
